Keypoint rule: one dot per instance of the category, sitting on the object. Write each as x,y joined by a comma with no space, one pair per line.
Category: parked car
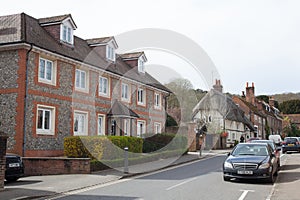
290,144
277,139
253,138
251,161
14,167
275,149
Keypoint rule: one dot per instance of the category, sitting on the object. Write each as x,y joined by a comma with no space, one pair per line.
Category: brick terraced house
264,116
54,84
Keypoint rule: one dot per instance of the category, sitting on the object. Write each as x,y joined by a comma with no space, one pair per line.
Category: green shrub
100,147
170,121
164,141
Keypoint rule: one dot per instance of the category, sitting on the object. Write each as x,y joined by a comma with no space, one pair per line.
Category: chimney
218,86
250,93
243,94
271,101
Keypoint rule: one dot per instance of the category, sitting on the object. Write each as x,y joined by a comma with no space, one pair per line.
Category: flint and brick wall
52,166
63,97
3,140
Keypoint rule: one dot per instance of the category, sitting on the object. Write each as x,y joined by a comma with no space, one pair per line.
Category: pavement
288,180
43,187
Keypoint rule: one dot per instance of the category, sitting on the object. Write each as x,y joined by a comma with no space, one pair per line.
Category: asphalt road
202,179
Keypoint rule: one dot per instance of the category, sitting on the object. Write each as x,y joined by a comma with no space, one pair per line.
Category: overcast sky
247,40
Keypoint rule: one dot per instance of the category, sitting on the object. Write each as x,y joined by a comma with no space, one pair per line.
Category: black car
14,167
275,148
290,144
251,161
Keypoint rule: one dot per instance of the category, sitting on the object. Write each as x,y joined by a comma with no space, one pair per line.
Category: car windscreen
290,140
271,143
251,150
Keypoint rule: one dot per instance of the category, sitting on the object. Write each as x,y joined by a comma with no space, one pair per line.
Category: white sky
248,40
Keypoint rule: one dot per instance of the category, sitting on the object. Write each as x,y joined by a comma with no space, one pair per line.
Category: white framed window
47,71
45,120
141,96
81,80
233,136
157,101
101,124
141,128
125,92
141,66
80,123
157,127
126,128
110,53
66,33
103,86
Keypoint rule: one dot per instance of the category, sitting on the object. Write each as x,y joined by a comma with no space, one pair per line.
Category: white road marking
182,183
244,194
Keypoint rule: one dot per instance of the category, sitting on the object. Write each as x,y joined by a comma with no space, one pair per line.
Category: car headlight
264,166
228,165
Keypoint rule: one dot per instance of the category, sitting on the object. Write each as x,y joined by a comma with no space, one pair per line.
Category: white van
276,138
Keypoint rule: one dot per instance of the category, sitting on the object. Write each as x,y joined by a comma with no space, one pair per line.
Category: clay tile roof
102,40
55,19
81,51
119,109
132,55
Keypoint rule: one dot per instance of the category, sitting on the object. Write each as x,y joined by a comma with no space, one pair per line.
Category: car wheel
225,178
12,179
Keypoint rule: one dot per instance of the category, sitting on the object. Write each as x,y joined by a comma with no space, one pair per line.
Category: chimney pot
252,84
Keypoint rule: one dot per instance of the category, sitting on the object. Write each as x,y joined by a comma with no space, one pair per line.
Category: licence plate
14,165
245,172
290,145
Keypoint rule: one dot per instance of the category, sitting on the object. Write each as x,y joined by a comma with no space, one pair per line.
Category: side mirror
228,154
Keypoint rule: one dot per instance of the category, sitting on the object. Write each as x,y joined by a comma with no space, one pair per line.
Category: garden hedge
164,141
100,147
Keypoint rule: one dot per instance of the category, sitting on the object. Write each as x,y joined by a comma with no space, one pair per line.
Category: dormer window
110,53
141,66
60,27
66,34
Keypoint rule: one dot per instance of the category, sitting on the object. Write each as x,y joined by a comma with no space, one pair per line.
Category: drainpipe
166,107
25,99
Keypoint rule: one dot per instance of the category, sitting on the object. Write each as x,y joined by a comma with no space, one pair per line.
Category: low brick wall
3,141
35,166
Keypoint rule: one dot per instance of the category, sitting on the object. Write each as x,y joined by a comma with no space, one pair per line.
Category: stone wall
3,140
36,166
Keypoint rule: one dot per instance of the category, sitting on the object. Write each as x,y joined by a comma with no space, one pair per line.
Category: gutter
25,99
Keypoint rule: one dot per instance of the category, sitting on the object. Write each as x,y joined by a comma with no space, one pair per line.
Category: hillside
286,96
